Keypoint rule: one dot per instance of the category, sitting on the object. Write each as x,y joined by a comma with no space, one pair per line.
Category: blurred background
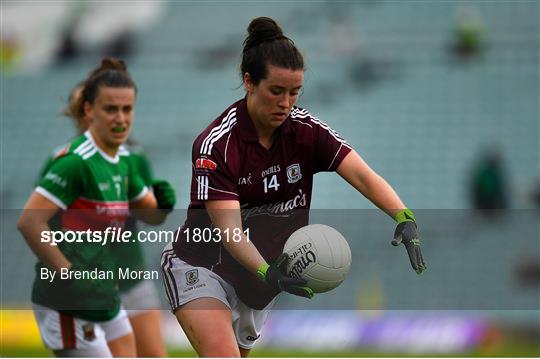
441,98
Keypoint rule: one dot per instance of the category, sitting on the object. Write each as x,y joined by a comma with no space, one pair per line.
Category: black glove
275,275
165,195
407,233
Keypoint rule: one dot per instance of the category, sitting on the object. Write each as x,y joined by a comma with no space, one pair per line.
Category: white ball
319,254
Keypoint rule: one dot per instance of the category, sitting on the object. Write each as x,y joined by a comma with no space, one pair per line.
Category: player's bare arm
33,221
226,215
359,175
355,171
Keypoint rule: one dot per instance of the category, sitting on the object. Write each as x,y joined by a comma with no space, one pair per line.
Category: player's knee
220,350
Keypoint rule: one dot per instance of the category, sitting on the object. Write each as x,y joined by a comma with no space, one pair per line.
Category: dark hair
111,73
266,44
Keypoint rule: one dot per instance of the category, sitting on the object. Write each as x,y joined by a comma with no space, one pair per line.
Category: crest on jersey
293,173
192,276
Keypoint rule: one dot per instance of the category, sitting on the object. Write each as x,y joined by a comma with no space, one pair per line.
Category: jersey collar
247,129
113,160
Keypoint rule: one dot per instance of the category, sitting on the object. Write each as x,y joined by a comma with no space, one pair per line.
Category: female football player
87,190
251,188
138,296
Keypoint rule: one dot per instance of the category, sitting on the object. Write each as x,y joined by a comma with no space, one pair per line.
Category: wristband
405,215
261,272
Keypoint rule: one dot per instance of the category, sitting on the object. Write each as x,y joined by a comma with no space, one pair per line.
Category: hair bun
262,29
113,64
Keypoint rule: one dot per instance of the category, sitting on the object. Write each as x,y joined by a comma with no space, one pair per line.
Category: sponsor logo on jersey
104,186
280,209
113,210
252,338
270,170
293,173
56,179
203,163
89,331
192,276
244,180
84,214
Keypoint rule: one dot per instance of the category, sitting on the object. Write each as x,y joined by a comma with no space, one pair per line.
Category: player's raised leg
207,324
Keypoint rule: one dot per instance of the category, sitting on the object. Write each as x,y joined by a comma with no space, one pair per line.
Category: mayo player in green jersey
138,296
90,185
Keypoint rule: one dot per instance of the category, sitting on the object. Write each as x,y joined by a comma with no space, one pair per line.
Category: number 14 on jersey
272,184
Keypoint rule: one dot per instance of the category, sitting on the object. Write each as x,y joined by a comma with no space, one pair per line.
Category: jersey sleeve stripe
216,131
86,151
219,190
51,197
227,145
330,131
299,112
333,159
199,187
303,123
83,146
143,193
221,134
304,114
203,186
89,154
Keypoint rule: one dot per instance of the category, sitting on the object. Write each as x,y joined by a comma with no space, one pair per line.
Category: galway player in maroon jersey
251,188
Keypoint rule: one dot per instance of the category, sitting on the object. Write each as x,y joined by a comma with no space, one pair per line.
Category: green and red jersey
130,255
94,190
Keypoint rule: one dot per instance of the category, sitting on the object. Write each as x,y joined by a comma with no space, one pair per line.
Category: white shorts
184,283
141,298
60,331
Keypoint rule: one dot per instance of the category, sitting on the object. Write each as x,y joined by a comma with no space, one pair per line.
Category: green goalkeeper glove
165,195
407,233
275,276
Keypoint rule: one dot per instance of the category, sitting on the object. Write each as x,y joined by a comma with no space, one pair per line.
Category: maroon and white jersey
272,186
